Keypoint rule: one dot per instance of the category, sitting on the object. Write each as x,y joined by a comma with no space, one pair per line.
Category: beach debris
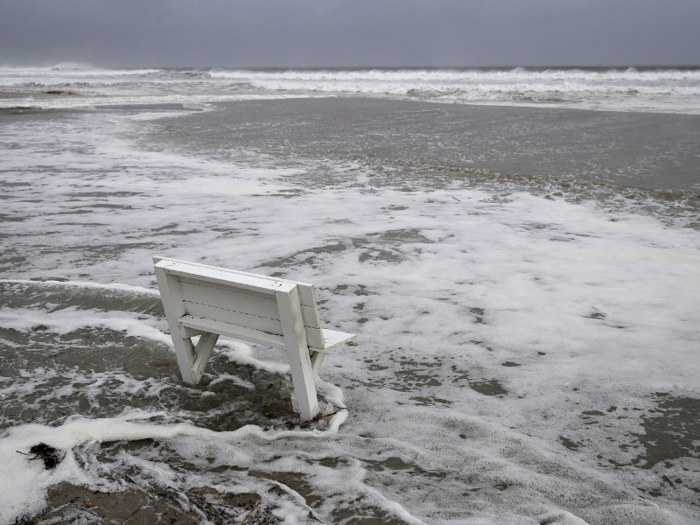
318,417
89,512
253,513
25,520
129,479
46,453
650,503
668,480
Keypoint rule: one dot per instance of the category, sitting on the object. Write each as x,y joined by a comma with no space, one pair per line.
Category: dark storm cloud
291,33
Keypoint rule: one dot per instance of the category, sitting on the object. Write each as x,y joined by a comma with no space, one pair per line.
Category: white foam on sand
23,483
559,308
72,319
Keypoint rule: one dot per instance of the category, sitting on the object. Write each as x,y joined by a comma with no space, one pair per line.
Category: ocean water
667,90
527,345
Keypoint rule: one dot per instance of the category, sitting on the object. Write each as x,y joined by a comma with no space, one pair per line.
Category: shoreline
652,151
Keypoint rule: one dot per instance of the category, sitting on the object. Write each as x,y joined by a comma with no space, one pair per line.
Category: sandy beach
642,150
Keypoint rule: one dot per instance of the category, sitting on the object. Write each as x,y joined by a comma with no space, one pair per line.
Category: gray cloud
298,33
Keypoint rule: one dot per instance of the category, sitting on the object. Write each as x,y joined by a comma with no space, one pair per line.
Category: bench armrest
333,339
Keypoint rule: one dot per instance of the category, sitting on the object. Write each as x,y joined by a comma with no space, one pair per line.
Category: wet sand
656,151
643,150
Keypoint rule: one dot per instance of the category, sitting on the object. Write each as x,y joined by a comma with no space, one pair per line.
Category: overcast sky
317,33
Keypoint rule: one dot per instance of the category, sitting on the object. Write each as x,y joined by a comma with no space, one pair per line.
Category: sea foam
518,347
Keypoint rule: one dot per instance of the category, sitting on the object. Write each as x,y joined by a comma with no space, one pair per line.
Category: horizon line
69,64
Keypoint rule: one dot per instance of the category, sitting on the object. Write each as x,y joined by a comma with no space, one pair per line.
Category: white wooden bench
207,301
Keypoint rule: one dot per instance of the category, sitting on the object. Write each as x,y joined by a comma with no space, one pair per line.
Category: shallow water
527,347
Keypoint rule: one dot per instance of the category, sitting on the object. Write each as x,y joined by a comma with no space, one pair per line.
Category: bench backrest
239,304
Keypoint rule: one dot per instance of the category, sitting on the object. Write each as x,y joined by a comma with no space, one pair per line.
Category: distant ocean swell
653,90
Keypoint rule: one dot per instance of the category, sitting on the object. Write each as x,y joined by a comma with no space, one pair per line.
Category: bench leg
297,351
174,309
316,362
203,351
184,351
304,385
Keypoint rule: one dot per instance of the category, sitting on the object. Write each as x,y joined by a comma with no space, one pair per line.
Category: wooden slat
307,294
314,338
240,301
230,330
230,300
228,287
310,316
264,324
334,339
220,276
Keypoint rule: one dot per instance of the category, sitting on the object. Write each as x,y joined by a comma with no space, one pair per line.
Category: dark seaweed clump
47,454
